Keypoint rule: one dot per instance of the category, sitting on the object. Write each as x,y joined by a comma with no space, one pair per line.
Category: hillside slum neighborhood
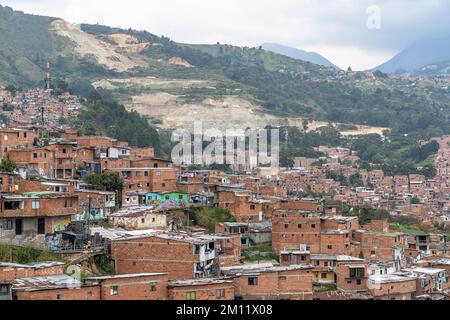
317,249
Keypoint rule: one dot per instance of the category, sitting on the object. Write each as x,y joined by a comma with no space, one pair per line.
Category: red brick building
201,289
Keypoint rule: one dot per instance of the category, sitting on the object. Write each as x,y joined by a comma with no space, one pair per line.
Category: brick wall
282,285
152,255
11,273
83,293
224,291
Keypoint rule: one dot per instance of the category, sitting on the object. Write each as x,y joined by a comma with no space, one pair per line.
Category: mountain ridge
163,71
418,55
299,54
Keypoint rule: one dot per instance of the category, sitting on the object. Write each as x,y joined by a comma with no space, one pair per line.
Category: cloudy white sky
336,29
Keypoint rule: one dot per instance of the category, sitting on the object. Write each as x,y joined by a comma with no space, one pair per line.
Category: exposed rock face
180,62
87,45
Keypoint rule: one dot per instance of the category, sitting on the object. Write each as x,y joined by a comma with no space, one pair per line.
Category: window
299,226
324,275
313,226
356,272
13,205
90,294
58,296
146,173
358,282
4,289
114,291
330,247
158,173
252,207
8,225
35,155
153,288
286,226
282,278
191,296
35,204
252,281
220,293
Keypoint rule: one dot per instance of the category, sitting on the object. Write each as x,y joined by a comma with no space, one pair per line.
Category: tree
7,166
209,217
107,182
415,200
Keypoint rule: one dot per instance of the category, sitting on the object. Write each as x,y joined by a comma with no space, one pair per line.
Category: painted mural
167,200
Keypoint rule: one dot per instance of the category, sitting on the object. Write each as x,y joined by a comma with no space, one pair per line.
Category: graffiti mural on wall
166,201
60,225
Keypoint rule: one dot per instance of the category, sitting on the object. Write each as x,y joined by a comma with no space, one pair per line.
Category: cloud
335,28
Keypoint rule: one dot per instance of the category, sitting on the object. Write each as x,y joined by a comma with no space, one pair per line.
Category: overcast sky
337,29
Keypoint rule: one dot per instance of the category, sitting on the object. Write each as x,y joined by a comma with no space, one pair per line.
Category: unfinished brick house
40,159
8,182
335,242
181,256
14,139
143,286
351,274
381,245
148,180
64,159
392,287
100,203
56,287
11,271
293,228
142,153
44,281
30,216
241,205
201,289
269,282
294,257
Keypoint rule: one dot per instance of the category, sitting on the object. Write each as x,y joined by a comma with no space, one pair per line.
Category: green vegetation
398,155
414,111
327,288
110,118
107,182
25,255
208,217
417,229
7,165
105,265
366,214
259,253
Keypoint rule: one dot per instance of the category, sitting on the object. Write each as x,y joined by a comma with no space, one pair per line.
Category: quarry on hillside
87,45
173,112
